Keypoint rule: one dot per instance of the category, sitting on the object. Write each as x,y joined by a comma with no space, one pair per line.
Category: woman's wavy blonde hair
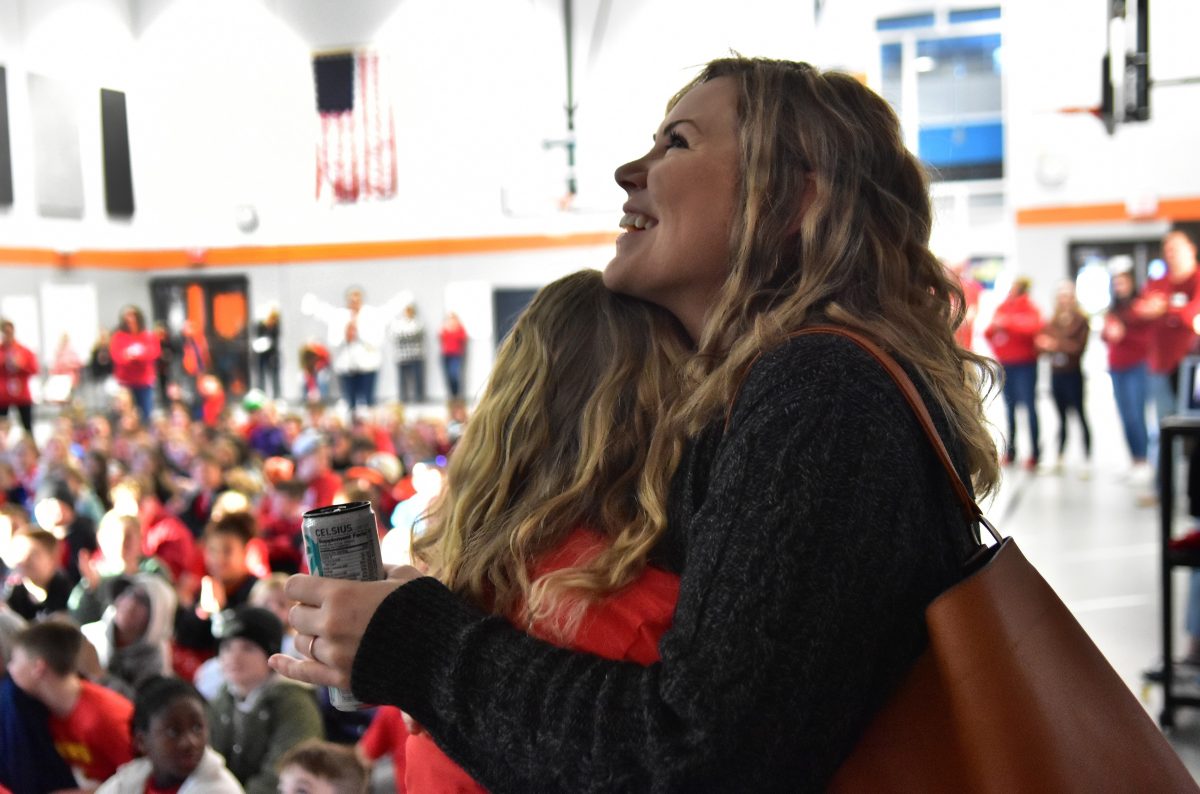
565,436
832,225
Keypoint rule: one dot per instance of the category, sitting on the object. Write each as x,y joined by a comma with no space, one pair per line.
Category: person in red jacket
1011,334
17,365
135,351
1128,338
453,339
1172,306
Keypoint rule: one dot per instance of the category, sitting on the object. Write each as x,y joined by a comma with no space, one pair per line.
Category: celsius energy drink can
341,542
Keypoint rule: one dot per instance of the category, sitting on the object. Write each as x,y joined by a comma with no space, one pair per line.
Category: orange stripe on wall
175,259
32,256
1180,209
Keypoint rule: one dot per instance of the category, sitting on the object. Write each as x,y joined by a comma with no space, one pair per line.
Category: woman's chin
619,277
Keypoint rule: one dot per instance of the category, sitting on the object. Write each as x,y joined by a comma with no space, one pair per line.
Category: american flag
356,153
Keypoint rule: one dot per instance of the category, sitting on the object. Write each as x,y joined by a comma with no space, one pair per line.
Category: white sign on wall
70,309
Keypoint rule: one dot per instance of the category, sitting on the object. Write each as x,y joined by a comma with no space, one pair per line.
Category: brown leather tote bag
1011,695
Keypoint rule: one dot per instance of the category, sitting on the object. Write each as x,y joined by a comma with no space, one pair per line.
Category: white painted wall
1053,62
220,102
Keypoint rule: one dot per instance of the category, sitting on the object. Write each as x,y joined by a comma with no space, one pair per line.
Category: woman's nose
632,175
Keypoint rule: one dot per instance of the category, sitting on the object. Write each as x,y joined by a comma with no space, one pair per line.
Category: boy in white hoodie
170,730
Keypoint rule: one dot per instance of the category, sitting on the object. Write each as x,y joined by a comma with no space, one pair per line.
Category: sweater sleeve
820,538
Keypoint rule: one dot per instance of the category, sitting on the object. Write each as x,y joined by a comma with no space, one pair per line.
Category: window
942,73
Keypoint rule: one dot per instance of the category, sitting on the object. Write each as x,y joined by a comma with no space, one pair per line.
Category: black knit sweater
810,536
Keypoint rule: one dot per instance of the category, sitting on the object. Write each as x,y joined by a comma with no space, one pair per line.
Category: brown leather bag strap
971,510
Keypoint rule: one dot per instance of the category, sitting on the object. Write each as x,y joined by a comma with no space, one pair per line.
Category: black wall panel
6,178
118,175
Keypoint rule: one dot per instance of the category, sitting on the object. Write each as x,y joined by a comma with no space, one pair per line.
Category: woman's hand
330,619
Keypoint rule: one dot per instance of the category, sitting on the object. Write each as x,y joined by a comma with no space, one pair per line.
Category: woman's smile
682,193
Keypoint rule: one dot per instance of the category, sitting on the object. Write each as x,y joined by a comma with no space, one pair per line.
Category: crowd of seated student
143,563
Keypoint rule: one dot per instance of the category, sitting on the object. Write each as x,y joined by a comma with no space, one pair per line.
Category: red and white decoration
356,150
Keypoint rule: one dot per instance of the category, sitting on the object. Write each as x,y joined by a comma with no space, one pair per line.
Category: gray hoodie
150,655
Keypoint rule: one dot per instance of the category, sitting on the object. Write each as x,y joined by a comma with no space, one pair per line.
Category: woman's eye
676,141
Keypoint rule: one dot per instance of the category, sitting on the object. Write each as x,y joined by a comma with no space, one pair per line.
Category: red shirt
1133,345
972,289
1012,330
321,490
134,357
1171,335
17,364
454,340
625,626
94,739
166,537
387,735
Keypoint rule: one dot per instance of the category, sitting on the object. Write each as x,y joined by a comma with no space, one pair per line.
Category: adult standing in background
453,338
1011,334
356,334
66,364
1171,304
100,366
266,352
1128,338
1064,338
135,352
170,349
17,365
195,362
409,335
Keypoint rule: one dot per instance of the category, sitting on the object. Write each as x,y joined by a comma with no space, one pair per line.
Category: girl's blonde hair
832,225
565,436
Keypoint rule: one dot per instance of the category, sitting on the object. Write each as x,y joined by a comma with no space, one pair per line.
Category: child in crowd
543,519
314,468
226,584
55,513
89,724
12,492
195,506
133,638
37,588
314,372
315,767
279,517
170,733
268,594
120,557
257,716
164,537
